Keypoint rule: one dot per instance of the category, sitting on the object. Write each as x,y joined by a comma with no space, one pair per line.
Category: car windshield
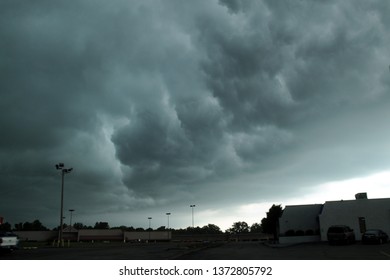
336,229
6,233
372,231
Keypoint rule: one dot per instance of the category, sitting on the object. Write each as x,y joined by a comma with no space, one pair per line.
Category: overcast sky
230,105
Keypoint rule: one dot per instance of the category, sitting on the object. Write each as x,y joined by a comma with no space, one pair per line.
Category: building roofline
350,200
300,205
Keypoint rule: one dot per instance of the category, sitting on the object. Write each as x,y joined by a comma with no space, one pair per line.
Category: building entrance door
362,224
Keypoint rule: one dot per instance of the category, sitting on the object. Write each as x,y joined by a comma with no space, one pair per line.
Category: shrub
290,232
309,232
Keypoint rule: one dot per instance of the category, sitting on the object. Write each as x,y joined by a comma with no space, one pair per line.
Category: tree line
269,225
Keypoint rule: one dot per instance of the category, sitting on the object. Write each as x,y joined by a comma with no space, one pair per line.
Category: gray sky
230,105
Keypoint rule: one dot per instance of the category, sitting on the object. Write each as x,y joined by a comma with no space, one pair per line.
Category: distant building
92,235
100,234
305,223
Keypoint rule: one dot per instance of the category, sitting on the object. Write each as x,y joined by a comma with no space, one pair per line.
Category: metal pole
168,214
149,218
60,166
192,208
62,208
70,221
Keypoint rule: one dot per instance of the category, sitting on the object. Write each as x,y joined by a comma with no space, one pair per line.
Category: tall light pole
150,222
64,171
70,219
192,208
168,214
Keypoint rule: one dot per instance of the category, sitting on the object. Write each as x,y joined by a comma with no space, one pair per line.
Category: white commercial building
305,223
299,223
359,214
300,218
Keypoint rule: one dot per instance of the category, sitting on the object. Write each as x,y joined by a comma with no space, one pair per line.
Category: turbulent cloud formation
158,104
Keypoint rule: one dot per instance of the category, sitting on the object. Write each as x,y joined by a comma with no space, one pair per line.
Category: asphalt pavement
204,251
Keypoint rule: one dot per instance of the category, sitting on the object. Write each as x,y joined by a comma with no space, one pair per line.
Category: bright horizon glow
376,186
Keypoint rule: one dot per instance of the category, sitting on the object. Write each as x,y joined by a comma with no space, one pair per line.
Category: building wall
95,235
299,239
376,213
37,235
300,217
147,235
100,234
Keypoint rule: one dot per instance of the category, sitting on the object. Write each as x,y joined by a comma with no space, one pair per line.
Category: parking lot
204,251
315,251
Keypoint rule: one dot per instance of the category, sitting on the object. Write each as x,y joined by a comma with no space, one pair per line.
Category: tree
193,230
101,225
270,224
211,229
239,227
123,227
78,226
256,227
37,225
34,226
5,226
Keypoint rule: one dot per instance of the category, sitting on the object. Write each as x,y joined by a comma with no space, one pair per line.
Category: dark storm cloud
158,102
265,71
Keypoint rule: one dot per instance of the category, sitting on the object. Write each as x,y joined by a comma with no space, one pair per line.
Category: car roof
339,226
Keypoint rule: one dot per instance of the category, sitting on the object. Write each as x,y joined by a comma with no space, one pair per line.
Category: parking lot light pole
168,214
64,171
150,222
70,220
192,208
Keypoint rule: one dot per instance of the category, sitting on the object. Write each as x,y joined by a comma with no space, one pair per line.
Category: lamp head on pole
60,166
67,170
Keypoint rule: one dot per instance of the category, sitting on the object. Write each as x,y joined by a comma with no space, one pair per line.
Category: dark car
375,236
340,234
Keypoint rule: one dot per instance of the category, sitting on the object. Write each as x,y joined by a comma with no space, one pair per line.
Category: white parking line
384,253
